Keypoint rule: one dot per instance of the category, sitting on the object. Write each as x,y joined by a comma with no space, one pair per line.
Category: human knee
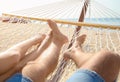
110,54
110,63
35,71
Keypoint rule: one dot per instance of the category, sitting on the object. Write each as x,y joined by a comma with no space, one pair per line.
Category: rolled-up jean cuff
84,75
18,77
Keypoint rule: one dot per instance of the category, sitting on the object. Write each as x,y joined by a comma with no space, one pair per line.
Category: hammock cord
61,72
103,37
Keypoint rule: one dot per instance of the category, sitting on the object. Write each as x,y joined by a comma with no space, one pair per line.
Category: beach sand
11,34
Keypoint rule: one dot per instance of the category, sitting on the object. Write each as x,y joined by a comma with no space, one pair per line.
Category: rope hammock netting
20,25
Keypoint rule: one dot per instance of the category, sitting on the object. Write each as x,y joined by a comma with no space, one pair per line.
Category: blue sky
112,4
12,5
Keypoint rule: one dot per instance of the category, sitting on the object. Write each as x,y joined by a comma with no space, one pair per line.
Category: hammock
105,36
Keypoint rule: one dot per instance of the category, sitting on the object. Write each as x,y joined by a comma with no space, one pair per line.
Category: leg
104,63
46,63
29,57
76,53
36,53
13,55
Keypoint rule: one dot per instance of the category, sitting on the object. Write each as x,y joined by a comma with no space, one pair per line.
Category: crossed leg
47,61
104,63
29,57
13,55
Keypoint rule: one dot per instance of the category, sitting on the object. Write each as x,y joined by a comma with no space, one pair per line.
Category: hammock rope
88,47
104,34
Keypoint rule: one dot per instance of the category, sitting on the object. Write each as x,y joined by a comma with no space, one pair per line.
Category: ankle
57,44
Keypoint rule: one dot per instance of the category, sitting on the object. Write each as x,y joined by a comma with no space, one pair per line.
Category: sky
112,4
13,5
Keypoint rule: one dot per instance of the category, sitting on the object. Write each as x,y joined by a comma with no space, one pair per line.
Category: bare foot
38,38
76,47
58,37
79,41
46,42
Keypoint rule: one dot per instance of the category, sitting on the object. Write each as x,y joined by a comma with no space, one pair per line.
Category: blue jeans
83,75
18,78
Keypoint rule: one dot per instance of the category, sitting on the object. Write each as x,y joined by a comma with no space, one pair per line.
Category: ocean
109,21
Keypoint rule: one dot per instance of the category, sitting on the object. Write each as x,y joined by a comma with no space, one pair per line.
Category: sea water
108,21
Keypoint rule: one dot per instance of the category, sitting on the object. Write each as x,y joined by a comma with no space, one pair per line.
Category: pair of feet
59,38
81,59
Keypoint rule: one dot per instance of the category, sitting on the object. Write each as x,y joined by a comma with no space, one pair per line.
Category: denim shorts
83,75
18,77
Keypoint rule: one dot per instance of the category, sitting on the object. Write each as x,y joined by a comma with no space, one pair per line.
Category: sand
11,34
